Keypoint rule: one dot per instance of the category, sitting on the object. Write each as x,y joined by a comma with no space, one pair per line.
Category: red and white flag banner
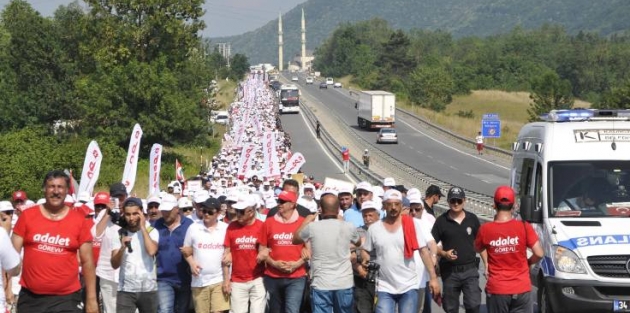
91,168
294,164
131,164
179,172
272,168
155,166
247,155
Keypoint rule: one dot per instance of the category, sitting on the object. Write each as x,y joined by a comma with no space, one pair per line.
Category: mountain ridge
461,18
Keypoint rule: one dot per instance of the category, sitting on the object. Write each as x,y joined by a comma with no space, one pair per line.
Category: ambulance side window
527,172
538,198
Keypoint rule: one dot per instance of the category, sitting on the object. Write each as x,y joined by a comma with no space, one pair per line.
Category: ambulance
571,173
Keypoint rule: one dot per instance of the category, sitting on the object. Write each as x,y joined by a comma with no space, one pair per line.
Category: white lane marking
453,167
310,129
485,181
449,146
429,156
410,147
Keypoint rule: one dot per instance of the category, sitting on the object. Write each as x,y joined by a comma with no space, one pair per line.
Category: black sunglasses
240,212
209,212
151,206
415,210
8,212
456,201
281,202
186,209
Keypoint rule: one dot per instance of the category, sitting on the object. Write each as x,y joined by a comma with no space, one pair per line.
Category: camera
372,271
117,218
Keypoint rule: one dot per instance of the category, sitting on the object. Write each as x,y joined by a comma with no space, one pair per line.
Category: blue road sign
491,128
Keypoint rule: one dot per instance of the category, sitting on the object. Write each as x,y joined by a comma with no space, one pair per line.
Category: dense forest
429,67
461,18
91,75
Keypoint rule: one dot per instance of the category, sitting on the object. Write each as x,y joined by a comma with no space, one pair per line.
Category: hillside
460,17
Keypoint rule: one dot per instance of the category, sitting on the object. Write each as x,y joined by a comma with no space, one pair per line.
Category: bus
289,99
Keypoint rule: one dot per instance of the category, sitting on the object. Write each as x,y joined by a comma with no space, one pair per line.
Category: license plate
621,306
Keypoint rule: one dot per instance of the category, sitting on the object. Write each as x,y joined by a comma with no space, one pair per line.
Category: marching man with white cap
394,240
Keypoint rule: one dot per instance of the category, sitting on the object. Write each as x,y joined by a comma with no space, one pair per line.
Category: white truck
376,109
571,173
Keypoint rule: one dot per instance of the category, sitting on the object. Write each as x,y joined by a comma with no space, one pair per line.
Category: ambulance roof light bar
577,115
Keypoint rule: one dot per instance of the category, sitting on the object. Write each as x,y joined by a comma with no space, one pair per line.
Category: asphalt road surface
431,156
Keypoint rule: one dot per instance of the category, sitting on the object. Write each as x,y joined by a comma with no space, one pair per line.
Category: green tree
395,60
239,66
616,98
431,87
549,92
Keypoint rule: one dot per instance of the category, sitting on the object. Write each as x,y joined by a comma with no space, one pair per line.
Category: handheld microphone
123,233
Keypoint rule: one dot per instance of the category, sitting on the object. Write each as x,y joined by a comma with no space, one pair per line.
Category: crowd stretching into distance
260,236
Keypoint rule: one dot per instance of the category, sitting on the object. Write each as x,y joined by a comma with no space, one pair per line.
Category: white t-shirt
397,274
479,139
104,267
423,231
137,270
208,247
9,258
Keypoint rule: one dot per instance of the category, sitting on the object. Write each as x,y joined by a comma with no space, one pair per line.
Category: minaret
303,55
280,58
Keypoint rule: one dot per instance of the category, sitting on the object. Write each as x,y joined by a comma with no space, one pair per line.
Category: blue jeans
325,301
407,302
173,299
285,294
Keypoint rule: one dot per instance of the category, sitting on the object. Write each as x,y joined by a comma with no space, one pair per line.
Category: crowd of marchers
249,241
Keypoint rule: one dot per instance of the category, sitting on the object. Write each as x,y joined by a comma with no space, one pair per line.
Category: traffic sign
490,116
491,128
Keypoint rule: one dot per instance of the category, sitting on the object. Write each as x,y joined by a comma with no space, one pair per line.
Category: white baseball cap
392,194
414,191
378,191
364,186
415,198
168,202
389,182
369,204
184,202
245,201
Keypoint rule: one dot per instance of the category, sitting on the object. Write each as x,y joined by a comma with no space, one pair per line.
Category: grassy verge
225,94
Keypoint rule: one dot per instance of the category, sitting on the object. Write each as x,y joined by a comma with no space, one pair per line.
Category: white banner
246,156
269,152
91,168
131,164
337,185
155,166
294,164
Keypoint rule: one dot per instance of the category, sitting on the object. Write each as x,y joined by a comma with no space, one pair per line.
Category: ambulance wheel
543,298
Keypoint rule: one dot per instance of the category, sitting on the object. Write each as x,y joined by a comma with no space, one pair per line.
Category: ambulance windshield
589,189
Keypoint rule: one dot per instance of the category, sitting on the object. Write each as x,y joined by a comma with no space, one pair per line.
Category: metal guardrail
455,137
477,203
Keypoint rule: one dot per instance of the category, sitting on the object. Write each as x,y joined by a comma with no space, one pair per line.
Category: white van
571,173
221,117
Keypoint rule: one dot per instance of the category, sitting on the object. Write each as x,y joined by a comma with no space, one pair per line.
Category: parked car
337,85
387,135
309,80
323,85
329,81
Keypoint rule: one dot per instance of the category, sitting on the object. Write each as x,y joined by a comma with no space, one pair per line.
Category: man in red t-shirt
285,274
242,241
51,235
506,240
345,156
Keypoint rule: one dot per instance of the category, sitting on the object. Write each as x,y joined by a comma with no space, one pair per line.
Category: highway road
319,162
442,160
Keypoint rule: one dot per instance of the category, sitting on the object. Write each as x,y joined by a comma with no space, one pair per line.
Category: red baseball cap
19,195
504,195
288,196
101,198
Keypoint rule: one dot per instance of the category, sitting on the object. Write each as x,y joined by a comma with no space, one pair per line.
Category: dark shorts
479,146
34,303
518,303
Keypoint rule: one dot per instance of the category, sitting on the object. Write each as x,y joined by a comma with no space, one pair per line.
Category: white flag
246,156
296,161
91,168
270,154
131,164
154,169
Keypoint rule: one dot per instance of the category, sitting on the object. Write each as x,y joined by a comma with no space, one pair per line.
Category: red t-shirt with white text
50,251
243,243
346,155
507,244
279,238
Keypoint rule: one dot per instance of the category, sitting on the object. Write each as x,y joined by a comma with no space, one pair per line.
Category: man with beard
153,209
363,193
394,239
134,253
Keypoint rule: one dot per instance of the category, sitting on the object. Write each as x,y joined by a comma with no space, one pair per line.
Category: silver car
387,135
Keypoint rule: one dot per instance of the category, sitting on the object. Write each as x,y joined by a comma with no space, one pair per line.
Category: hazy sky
223,17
